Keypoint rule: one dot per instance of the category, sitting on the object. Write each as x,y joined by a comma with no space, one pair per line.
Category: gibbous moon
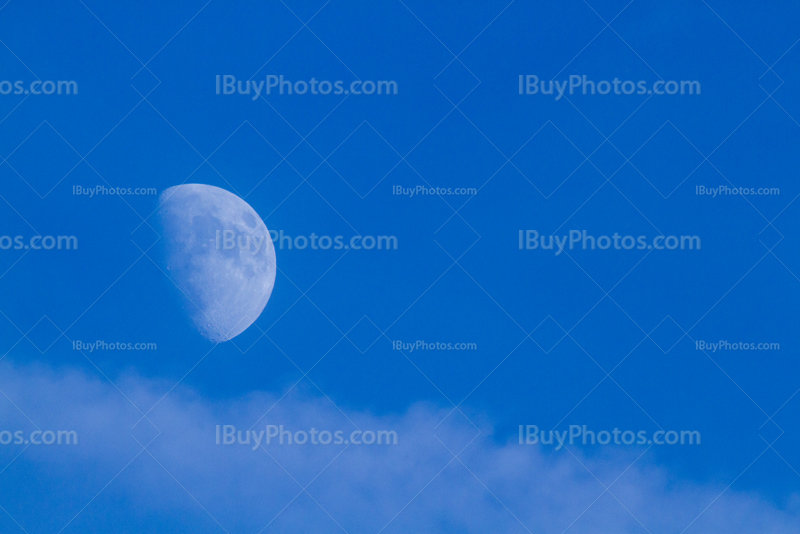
219,254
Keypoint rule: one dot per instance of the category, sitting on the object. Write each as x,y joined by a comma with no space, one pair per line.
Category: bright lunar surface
219,254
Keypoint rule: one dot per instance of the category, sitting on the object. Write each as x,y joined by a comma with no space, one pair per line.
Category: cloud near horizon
185,481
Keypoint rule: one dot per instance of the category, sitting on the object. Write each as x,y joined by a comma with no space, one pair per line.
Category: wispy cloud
186,480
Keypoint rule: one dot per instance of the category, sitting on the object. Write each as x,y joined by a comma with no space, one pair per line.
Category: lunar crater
220,256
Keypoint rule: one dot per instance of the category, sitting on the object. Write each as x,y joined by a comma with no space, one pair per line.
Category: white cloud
362,489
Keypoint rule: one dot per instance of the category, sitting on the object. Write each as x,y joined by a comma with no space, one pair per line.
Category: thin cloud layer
185,480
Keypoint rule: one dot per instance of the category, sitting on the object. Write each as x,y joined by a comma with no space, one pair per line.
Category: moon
219,254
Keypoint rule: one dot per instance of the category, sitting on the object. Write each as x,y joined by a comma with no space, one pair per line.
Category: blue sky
607,338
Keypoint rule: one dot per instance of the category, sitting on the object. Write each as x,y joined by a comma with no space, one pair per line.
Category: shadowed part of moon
224,288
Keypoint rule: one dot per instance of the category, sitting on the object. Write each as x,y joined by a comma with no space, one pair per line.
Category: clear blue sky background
605,339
